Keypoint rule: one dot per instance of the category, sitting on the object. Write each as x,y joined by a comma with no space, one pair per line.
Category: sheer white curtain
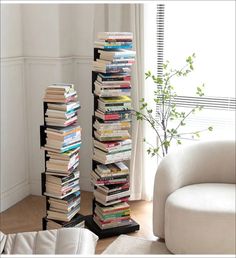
141,167
130,17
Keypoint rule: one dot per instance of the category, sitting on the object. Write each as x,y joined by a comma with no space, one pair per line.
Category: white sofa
59,241
194,199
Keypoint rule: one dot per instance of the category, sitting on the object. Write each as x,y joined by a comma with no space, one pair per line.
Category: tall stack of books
113,59
61,141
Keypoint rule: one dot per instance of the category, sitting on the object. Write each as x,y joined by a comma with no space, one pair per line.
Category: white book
106,198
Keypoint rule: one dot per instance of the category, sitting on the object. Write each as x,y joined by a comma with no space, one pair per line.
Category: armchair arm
208,162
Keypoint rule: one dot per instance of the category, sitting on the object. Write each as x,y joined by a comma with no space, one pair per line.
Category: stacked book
62,138
112,122
114,64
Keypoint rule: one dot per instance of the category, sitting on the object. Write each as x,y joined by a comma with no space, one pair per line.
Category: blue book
71,147
128,46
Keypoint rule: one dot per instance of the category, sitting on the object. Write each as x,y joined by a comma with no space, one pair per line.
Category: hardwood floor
27,214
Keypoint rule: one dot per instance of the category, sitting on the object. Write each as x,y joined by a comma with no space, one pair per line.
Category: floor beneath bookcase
26,216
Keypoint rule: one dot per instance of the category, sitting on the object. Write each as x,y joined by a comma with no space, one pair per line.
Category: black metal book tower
90,223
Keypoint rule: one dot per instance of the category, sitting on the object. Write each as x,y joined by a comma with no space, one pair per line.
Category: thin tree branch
158,135
182,120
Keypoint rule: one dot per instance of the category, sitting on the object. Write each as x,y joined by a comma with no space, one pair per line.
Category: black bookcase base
103,233
44,223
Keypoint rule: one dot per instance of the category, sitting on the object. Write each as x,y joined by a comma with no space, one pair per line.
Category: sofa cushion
3,238
58,241
200,219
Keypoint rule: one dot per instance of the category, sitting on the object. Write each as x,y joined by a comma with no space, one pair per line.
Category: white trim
12,60
18,190
45,59
14,195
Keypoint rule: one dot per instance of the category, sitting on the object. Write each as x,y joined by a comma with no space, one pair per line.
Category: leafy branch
164,98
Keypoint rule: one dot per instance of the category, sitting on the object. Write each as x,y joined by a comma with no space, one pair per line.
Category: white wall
55,44
14,139
11,31
41,30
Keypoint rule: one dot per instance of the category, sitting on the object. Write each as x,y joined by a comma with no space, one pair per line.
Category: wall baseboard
14,195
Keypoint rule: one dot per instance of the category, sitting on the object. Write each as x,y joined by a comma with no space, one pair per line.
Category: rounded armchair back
204,162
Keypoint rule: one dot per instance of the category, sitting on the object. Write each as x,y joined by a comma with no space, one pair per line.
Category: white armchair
194,199
61,241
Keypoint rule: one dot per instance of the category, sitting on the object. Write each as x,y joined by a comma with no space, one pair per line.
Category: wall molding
14,195
16,186
30,65
12,61
46,58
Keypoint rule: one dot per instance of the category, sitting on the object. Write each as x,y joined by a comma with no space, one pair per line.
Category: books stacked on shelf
62,141
116,173
113,59
114,66
62,110
78,222
115,215
112,85
111,40
114,108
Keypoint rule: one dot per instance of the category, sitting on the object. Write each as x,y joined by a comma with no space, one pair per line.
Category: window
206,28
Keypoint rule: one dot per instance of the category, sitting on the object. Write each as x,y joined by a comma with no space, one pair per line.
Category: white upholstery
200,218
207,162
3,238
58,241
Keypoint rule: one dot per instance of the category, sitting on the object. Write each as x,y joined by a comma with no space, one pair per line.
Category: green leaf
200,108
210,128
148,74
179,142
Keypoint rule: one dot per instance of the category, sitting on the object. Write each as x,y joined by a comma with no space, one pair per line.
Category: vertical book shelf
111,87
60,138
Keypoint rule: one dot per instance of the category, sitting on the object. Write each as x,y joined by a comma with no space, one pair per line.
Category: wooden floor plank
27,214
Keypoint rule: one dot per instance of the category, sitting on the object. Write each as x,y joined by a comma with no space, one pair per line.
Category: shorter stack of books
65,113
62,145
